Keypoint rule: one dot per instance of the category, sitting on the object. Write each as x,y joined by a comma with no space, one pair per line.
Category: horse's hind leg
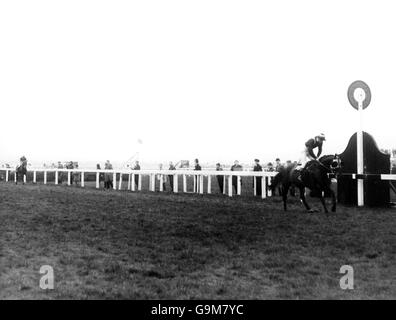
285,190
303,199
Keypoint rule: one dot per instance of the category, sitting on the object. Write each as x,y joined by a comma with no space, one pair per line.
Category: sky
214,80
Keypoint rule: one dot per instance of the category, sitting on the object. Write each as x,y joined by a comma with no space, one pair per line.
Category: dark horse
315,177
21,170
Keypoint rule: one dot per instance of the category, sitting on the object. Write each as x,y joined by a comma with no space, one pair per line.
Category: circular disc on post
359,90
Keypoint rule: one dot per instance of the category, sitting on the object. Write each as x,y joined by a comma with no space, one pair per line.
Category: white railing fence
159,175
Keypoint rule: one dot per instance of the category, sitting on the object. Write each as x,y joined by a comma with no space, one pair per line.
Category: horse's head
332,162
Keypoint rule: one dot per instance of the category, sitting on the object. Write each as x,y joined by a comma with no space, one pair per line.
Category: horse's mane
326,158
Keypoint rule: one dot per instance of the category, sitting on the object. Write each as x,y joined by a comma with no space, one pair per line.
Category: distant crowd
107,178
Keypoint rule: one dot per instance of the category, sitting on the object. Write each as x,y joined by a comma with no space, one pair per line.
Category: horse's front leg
322,199
333,200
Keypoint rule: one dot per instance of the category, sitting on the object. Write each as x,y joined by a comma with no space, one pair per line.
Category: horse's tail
277,180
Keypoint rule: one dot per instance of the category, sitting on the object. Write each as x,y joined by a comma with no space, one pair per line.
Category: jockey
23,161
308,154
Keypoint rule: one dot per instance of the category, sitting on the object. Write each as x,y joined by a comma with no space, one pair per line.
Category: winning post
359,96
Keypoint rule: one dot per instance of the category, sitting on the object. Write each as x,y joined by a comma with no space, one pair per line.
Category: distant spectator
197,167
108,180
257,167
220,178
60,174
70,166
163,178
270,167
136,167
76,175
101,174
236,167
171,167
278,164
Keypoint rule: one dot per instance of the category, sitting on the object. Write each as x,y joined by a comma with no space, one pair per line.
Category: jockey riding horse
310,172
21,169
308,155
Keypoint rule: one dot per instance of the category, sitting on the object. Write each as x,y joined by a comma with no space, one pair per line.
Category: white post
153,182
56,177
140,182
230,186
360,167
254,186
263,188
201,184
161,188
15,176
97,180
7,173
224,185
82,179
45,177
269,193
184,183
176,183
34,176
120,183
114,181
133,182
195,183
239,186
209,184
24,178
68,178
129,181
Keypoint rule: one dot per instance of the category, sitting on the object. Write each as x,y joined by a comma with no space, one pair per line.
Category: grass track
122,245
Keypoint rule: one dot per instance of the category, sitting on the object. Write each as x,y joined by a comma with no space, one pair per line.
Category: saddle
303,174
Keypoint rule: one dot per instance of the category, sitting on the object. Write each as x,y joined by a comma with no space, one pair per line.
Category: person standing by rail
171,167
136,167
197,167
236,167
220,178
257,167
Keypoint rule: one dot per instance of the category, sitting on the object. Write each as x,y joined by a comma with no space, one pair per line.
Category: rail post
263,188
133,182
230,185
176,183
140,182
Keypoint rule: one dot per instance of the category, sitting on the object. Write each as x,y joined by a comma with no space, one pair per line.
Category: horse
314,176
21,170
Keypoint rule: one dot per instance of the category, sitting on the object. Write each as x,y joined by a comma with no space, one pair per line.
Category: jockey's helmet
321,136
